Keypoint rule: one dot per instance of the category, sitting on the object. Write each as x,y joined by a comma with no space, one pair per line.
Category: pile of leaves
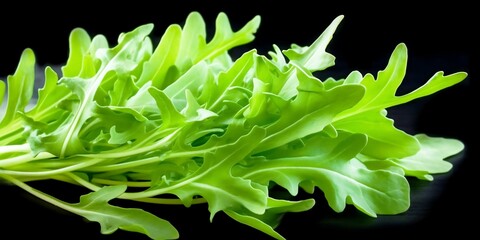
185,123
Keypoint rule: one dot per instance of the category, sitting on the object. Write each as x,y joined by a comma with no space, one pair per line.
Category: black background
439,37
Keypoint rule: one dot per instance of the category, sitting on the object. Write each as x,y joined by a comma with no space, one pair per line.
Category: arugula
185,123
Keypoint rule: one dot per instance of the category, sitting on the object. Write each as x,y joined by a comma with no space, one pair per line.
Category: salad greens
184,123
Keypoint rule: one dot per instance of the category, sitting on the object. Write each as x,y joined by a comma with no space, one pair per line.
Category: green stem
15,148
103,181
168,201
155,200
118,153
46,173
24,159
13,136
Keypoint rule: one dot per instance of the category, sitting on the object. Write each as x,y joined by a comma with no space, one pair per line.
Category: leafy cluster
185,123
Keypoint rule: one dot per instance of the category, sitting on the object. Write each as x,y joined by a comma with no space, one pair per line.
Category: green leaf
123,126
48,113
193,111
384,139
268,221
79,44
193,36
381,92
118,59
94,206
225,38
430,159
163,58
20,88
214,182
330,164
368,115
310,112
237,75
254,223
314,57
193,80
170,116
49,97
277,77
82,60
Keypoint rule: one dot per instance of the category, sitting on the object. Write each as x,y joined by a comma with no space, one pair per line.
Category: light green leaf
432,158
312,110
225,38
214,181
193,37
170,116
123,126
49,98
116,60
276,76
121,91
268,221
381,92
330,165
314,57
20,88
79,42
142,102
384,139
163,59
95,207
193,111
193,80
236,76
254,223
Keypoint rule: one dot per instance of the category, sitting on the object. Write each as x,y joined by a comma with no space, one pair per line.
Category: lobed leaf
214,182
95,207
430,159
20,88
334,169
315,58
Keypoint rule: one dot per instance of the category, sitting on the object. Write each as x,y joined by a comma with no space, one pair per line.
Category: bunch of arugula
185,123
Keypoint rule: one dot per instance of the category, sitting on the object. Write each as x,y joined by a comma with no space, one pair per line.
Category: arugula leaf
185,123
315,58
94,207
381,94
213,180
317,108
20,87
267,221
332,167
20,91
431,159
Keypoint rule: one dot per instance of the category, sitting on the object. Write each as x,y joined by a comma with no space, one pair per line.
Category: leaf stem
15,148
70,168
27,157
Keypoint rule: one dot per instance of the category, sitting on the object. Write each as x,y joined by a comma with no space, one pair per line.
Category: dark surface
438,37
